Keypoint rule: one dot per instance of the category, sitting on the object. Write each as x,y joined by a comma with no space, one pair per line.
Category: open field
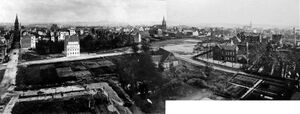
180,46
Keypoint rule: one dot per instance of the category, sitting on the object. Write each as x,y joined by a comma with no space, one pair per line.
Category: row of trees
138,74
138,71
104,39
49,47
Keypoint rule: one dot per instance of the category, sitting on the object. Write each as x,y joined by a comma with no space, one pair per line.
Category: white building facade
72,46
73,49
72,31
138,38
62,35
33,42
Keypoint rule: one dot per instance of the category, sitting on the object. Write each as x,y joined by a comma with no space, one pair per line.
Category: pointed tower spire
16,20
164,24
16,23
16,31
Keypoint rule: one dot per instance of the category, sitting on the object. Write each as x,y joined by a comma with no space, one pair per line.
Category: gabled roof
164,54
227,46
156,58
27,36
236,39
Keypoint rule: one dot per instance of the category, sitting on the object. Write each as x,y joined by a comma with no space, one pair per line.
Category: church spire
164,21
16,23
164,24
16,20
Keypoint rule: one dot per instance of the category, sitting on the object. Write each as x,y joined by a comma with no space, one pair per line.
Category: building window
166,65
175,63
156,64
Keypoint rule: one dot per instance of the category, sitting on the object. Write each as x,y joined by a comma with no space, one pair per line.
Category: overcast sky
177,12
271,12
128,11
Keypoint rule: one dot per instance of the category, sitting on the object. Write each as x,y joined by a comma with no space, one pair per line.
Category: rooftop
228,46
73,38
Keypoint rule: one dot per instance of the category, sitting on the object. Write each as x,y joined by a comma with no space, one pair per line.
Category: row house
225,52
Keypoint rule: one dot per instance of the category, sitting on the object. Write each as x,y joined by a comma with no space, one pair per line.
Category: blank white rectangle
232,107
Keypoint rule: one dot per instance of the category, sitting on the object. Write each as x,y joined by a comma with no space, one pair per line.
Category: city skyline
135,56
259,12
66,11
148,12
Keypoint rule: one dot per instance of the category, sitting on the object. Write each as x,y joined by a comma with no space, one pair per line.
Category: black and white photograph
146,56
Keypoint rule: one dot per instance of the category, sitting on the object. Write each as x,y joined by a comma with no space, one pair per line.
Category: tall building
164,24
17,30
17,26
33,42
72,47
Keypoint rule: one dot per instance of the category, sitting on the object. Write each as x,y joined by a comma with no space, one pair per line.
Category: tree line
96,40
104,39
49,47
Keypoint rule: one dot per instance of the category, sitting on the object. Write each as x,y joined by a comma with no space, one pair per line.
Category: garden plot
244,80
235,91
90,64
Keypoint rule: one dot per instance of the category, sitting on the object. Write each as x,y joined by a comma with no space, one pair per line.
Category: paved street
9,77
252,88
11,70
188,58
10,104
81,57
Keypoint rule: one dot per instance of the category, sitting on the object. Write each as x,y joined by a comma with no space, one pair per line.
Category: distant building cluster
225,44
266,51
